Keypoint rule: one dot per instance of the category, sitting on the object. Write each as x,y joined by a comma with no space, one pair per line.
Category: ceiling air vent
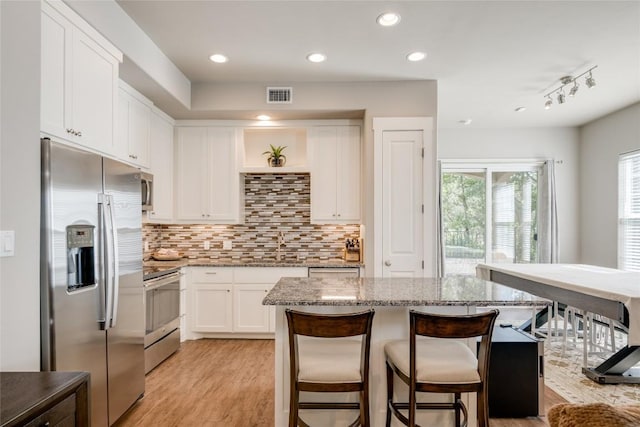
279,95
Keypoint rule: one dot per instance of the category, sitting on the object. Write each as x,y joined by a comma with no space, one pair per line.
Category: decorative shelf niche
257,141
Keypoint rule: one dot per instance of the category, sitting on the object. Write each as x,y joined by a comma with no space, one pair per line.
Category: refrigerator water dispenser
80,256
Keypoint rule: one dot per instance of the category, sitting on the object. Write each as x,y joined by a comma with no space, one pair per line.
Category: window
489,214
629,211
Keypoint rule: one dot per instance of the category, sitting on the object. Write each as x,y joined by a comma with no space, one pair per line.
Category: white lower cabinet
211,295
249,315
229,299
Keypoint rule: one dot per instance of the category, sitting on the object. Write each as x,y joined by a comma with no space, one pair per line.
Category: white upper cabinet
161,165
133,126
207,176
79,80
335,174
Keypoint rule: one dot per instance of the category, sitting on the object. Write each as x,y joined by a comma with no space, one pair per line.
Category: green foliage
275,152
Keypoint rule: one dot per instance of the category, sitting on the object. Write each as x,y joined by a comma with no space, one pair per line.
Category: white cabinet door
348,174
161,165
249,315
94,93
223,175
139,132
335,174
55,110
133,127
323,141
207,176
212,308
191,174
79,81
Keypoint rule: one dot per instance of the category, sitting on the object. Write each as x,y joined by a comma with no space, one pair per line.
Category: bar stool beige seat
441,364
338,366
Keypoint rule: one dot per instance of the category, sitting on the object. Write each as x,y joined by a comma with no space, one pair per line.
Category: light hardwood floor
229,383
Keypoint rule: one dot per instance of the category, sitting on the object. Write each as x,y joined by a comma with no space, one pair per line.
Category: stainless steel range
162,307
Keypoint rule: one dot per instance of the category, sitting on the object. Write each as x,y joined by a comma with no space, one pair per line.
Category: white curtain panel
439,225
547,215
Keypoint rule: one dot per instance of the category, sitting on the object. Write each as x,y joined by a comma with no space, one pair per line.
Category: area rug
563,374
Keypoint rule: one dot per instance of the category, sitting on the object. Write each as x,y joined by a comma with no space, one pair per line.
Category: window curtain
629,211
439,229
547,215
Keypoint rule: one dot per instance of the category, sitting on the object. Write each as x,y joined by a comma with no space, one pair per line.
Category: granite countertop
205,262
153,268
451,290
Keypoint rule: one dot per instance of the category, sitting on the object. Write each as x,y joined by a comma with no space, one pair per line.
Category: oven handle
161,281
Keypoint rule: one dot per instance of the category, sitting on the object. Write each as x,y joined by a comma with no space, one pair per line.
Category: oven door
162,300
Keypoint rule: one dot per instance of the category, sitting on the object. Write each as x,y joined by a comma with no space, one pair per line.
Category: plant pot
277,163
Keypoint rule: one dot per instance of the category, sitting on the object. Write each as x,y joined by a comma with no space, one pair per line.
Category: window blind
629,211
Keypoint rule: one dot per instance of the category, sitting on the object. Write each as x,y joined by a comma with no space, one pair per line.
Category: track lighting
567,80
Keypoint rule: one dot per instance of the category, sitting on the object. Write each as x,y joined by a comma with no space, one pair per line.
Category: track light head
548,104
574,89
561,98
590,81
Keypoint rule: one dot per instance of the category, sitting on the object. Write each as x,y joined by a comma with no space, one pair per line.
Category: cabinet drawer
212,275
61,415
267,274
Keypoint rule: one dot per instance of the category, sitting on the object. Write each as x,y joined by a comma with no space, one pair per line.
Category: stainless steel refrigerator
92,300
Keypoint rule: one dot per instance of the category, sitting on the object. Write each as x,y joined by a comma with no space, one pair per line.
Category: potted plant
275,157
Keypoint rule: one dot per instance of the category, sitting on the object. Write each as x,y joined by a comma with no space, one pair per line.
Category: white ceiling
488,57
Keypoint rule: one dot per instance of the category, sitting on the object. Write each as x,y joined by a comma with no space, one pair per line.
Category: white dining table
610,292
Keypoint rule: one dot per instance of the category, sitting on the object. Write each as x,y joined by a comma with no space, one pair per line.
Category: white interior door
402,204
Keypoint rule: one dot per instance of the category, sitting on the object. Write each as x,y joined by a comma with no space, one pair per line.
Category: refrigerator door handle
104,255
110,259
115,278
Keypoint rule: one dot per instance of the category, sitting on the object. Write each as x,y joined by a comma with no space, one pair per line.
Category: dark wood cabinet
51,399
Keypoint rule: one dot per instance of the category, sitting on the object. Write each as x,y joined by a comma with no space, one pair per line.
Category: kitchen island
392,298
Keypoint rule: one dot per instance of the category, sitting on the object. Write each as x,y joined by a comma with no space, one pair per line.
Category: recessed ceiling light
416,56
317,57
388,19
465,122
263,117
520,109
218,58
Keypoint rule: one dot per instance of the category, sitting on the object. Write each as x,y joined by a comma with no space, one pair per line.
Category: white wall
561,144
20,184
602,141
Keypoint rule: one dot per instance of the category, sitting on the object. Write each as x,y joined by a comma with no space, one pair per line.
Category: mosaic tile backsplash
274,203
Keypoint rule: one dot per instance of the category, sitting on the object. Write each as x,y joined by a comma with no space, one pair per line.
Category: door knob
387,263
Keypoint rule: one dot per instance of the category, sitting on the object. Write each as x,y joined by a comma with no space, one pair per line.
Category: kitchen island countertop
452,290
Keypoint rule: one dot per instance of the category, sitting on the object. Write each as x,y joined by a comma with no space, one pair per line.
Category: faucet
280,245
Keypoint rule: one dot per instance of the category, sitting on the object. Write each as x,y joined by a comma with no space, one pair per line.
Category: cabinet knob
387,263
79,133
203,215
338,215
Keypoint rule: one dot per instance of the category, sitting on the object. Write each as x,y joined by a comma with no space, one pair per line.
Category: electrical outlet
146,246
207,245
227,245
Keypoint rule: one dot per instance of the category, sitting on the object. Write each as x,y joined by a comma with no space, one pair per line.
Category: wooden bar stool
442,364
335,366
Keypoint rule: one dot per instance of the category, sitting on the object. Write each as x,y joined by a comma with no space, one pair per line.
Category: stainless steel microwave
146,183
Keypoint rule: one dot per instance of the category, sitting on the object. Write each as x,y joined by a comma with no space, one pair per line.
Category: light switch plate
207,245
7,243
